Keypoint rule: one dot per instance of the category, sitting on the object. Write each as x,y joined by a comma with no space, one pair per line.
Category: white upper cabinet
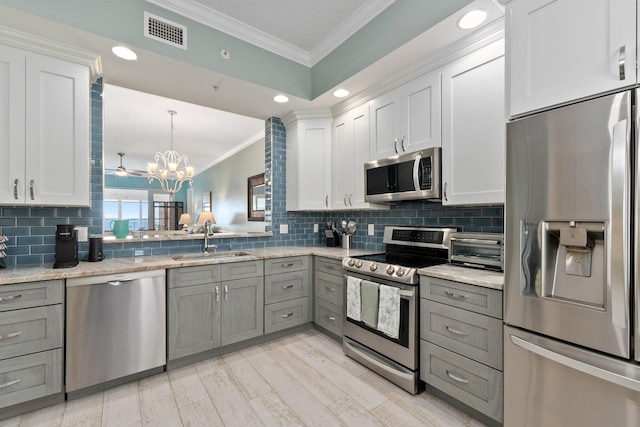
44,130
564,50
406,119
473,128
350,153
308,163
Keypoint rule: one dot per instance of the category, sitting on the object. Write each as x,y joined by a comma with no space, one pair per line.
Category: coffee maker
66,246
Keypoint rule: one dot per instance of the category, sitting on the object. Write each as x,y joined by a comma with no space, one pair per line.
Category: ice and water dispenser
565,260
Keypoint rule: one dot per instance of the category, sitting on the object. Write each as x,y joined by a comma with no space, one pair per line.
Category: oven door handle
407,294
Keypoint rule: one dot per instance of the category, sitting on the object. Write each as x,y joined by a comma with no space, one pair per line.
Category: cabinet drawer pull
287,265
457,377
330,317
621,61
15,189
10,383
10,297
329,266
455,295
226,292
329,289
11,335
456,331
287,287
284,316
217,293
31,188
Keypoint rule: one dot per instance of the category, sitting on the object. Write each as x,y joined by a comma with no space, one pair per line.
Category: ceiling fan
122,171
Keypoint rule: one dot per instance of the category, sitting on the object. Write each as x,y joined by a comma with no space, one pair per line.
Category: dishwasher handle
119,282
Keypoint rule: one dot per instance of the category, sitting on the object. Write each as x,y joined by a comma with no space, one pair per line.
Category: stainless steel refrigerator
571,245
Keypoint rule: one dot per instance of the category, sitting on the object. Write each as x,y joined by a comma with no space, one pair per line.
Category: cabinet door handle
446,199
329,289
344,199
350,197
15,189
226,292
284,316
10,297
457,377
217,293
31,188
456,331
11,335
621,61
287,287
402,143
456,295
395,145
326,200
287,265
10,383
330,317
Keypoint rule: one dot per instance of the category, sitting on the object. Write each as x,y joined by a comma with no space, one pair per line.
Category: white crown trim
251,140
221,22
358,19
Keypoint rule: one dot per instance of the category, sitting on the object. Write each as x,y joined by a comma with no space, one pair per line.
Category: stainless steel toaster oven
479,250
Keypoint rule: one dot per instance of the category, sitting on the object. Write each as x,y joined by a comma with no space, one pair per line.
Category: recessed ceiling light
281,98
124,53
472,19
340,93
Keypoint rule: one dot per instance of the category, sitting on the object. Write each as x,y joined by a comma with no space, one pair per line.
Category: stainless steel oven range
407,250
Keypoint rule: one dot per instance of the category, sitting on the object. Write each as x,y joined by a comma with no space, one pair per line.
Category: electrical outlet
315,228
83,234
284,228
371,230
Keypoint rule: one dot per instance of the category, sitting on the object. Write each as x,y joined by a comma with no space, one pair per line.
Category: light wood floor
301,380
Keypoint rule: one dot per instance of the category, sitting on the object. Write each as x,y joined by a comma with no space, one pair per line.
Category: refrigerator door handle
578,365
620,179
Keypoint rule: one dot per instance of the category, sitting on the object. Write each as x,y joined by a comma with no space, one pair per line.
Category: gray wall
227,182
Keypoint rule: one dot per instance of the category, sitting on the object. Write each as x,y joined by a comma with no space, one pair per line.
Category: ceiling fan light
121,172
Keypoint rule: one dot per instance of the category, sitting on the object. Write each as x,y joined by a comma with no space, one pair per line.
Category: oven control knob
358,264
391,269
351,262
373,266
400,271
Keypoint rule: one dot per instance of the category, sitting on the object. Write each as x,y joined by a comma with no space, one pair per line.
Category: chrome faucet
207,232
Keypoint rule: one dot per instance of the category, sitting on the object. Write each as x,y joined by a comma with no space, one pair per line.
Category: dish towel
389,311
369,294
353,298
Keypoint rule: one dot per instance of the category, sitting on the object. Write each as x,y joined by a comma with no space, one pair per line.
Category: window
126,204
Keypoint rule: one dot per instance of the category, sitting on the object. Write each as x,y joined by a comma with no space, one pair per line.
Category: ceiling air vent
165,31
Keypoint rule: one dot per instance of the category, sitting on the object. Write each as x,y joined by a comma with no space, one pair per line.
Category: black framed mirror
255,197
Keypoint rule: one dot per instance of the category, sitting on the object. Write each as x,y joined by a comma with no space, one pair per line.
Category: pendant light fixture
170,168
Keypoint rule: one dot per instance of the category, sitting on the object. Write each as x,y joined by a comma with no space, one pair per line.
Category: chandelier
170,168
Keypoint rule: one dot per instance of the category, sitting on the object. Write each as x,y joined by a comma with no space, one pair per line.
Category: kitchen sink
210,255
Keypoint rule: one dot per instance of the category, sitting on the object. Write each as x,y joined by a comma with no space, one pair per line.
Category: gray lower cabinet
31,337
328,286
214,305
461,343
287,286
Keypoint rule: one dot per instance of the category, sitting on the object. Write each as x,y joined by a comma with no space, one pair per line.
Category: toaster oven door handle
416,169
485,242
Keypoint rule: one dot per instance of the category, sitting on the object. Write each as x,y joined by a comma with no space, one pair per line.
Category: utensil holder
346,241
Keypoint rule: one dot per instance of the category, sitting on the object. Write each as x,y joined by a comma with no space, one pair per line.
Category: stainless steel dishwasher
116,326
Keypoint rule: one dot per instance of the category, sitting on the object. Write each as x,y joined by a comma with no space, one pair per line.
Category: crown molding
358,19
249,141
29,42
291,118
219,21
490,33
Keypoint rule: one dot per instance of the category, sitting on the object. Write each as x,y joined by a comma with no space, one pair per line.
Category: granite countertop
34,273
472,276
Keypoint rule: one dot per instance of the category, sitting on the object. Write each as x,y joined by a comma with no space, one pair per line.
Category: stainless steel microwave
408,176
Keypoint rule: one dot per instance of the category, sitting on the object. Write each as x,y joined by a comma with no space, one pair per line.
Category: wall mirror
255,197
